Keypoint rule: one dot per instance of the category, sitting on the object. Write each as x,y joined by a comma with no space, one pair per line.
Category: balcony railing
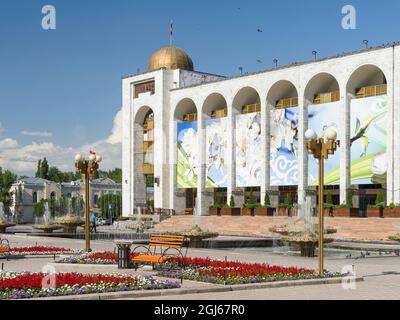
251,108
148,168
190,117
287,103
147,145
371,91
327,97
220,113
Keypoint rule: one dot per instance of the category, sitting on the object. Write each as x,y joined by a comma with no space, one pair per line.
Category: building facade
190,137
27,192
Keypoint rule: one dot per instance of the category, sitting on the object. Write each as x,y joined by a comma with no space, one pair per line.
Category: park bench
5,248
160,250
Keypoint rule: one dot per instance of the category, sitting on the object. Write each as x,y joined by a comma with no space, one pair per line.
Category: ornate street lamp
88,170
321,148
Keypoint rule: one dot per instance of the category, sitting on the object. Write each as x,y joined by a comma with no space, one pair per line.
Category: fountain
3,222
302,234
196,236
48,226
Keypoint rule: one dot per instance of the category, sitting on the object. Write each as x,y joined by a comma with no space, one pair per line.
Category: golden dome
170,58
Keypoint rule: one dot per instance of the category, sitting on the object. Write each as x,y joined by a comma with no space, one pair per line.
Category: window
96,199
144,87
34,197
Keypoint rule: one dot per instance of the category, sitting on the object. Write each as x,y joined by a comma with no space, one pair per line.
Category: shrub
349,198
288,201
217,204
267,201
232,202
380,200
328,203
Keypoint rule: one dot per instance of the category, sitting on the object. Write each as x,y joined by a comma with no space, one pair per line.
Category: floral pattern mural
187,157
284,147
368,135
321,117
248,150
216,144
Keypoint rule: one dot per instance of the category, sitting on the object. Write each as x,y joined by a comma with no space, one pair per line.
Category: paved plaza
381,273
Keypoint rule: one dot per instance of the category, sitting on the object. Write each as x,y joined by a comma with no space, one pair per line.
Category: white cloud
23,159
43,134
8,143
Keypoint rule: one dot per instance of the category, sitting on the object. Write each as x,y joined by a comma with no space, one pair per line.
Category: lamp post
88,170
321,148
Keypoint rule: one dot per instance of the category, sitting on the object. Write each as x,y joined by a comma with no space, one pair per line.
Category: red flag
171,28
92,152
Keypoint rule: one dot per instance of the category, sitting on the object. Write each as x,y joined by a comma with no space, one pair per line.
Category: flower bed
39,250
93,258
30,285
221,272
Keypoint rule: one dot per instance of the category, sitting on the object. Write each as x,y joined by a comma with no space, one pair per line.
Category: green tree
7,178
44,169
39,169
110,205
38,208
115,175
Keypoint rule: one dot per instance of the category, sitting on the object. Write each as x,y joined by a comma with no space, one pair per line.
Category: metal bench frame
162,247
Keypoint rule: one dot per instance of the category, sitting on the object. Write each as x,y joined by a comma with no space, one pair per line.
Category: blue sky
67,82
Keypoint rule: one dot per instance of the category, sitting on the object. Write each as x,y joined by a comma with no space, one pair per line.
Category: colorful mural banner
368,134
321,117
216,144
187,155
248,150
284,147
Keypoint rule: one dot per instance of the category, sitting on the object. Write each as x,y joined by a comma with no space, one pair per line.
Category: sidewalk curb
217,288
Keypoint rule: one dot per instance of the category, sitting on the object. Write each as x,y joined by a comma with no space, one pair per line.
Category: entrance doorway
191,195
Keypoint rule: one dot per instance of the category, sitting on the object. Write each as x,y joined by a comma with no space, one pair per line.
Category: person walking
93,222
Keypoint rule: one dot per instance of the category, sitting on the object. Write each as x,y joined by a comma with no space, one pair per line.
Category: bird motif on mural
360,134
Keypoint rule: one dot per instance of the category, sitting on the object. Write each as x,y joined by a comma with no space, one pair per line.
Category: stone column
344,135
303,155
393,118
177,197
204,198
266,148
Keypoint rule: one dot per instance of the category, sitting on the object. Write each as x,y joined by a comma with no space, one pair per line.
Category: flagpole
170,33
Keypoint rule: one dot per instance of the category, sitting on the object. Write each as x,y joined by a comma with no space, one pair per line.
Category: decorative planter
375,213
283,212
391,213
346,213
230,211
264,212
215,212
247,212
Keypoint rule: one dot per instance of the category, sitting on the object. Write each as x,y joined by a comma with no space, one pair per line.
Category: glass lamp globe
331,133
98,159
92,157
310,134
78,157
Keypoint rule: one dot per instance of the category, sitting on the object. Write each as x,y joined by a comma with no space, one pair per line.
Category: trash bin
124,251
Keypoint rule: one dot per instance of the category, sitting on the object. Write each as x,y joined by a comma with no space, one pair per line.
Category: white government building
200,136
